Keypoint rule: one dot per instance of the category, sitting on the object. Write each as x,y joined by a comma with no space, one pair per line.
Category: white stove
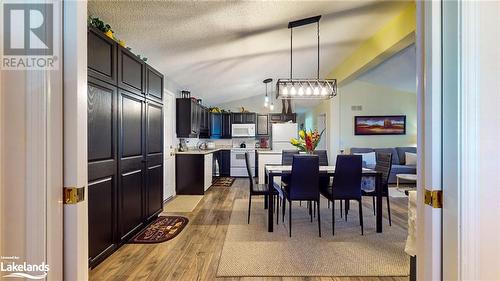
238,163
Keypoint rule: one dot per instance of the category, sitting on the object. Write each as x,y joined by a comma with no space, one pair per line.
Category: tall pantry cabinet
125,145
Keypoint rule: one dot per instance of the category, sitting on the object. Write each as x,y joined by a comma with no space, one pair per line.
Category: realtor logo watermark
11,267
28,36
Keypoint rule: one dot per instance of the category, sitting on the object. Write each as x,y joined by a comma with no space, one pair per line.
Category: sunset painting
380,125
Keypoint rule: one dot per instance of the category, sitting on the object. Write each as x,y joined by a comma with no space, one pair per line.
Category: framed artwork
380,125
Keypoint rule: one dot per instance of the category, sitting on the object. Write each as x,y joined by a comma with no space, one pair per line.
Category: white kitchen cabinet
208,170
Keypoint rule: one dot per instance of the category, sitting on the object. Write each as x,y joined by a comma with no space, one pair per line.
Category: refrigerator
282,133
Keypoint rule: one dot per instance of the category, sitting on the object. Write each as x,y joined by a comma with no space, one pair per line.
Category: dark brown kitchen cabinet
216,125
125,145
102,168
220,125
192,119
131,71
243,118
224,160
226,126
154,83
187,118
262,125
101,53
237,118
132,172
225,163
281,118
249,118
204,123
154,159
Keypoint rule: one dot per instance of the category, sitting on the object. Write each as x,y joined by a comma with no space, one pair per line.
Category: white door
429,131
321,121
169,145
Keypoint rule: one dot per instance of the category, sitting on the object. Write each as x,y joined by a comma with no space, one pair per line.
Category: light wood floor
195,253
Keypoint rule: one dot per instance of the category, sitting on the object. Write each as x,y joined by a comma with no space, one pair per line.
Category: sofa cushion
395,158
401,153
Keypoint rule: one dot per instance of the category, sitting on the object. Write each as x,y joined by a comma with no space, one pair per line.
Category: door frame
168,151
429,141
75,139
31,137
449,49
324,138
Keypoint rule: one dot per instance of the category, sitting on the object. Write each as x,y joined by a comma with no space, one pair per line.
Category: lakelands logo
23,270
28,36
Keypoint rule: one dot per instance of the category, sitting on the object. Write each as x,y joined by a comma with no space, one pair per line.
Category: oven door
238,163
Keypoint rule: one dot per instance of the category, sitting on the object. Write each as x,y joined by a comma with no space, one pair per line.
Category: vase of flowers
307,141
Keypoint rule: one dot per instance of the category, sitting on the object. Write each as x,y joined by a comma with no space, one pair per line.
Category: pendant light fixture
266,98
313,88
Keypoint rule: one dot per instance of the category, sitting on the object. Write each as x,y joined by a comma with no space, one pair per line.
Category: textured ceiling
222,50
398,72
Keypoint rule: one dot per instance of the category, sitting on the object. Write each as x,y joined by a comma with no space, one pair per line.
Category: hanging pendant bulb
323,91
266,104
301,90
316,91
284,91
271,107
309,91
266,99
293,91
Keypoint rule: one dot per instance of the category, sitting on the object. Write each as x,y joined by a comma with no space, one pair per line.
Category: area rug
249,250
162,229
223,181
182,204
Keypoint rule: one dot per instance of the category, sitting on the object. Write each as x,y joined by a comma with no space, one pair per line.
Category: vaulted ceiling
398,72
222,50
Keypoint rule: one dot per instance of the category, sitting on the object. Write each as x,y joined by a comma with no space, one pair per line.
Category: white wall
375,100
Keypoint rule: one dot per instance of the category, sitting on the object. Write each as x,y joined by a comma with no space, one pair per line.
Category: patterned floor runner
162,229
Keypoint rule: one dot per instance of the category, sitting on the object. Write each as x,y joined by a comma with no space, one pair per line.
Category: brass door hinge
434,198
73,195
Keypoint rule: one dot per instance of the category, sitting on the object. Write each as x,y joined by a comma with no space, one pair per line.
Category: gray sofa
398,160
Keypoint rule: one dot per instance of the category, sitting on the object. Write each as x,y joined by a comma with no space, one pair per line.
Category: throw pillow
410,159
368,158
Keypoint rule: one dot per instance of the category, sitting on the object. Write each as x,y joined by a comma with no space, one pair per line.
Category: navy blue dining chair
303,185
346,184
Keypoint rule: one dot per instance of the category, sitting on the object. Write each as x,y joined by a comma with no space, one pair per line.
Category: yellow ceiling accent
396,35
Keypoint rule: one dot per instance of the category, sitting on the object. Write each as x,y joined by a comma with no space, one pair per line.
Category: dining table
272,171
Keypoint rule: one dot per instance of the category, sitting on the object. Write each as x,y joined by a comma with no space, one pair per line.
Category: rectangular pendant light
305,88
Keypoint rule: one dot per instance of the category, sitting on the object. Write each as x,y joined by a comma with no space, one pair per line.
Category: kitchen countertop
212,150
199,151
269,151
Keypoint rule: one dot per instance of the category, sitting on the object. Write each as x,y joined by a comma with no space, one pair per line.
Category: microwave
243,130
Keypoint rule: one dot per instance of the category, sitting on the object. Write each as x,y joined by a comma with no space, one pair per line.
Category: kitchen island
194,169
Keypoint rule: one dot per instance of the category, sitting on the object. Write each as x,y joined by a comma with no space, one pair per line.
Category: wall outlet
356,107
